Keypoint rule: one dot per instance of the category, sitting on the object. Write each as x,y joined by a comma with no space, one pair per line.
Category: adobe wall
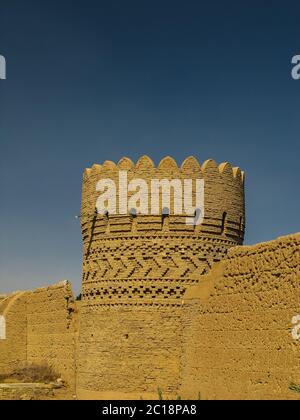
128,352
237,325
41,326
51,329
229,337
13,349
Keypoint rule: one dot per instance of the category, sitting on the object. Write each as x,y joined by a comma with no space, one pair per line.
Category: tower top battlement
166,167
224,207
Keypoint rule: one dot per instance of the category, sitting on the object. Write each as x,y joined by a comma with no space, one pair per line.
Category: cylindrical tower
136,269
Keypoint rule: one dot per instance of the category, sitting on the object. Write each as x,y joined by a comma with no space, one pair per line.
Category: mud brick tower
136,269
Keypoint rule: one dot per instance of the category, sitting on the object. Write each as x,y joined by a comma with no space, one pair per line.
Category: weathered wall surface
13,349
41,326
237,325
51,329
129,352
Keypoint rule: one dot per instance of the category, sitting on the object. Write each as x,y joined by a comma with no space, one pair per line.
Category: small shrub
295,388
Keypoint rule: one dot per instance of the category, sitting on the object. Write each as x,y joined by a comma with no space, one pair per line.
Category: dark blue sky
94,80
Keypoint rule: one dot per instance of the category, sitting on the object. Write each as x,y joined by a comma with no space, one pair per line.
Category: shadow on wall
40,326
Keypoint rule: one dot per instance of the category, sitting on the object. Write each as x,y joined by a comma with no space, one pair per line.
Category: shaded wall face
13,351
40,328
51,329
237,343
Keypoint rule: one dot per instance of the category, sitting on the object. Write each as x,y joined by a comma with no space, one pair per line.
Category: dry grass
295,388
31,373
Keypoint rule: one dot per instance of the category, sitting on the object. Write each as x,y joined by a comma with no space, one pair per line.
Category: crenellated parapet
224,199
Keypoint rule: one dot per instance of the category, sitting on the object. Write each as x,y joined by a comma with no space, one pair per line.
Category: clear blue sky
95,80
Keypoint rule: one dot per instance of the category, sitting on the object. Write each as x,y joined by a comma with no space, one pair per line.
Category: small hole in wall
126,336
